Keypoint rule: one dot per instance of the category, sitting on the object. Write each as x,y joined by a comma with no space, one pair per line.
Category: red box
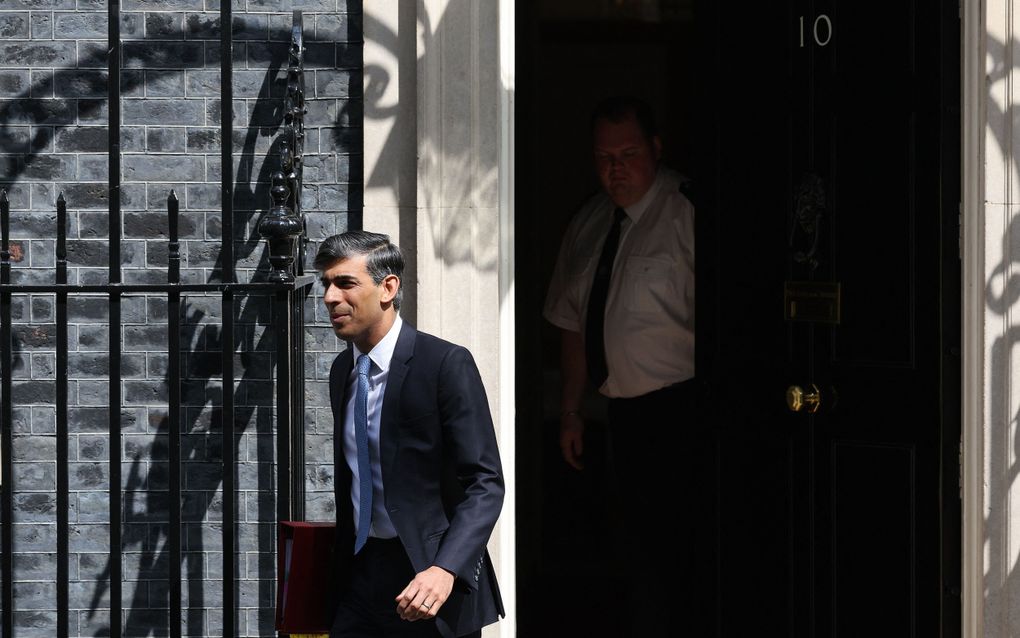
304,578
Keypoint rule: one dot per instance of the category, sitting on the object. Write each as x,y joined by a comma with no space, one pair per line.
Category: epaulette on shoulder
686,188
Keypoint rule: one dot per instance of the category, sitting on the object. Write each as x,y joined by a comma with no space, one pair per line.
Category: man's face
625,159
357,306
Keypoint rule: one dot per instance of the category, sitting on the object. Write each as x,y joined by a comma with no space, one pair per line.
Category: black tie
594,339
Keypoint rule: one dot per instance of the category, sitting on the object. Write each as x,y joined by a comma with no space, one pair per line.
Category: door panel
876,36
872,220
761,503
872,539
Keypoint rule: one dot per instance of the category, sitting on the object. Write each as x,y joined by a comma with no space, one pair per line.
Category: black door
829,281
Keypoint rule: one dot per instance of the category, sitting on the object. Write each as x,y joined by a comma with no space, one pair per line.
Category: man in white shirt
622,293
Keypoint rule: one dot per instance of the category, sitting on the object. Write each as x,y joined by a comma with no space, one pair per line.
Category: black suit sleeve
469,442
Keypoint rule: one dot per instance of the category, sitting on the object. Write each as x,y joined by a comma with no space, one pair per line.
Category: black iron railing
286,285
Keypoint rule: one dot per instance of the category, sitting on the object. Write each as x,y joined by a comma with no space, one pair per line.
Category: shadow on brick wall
29,127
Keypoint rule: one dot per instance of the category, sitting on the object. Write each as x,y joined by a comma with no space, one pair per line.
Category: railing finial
294,128
280,227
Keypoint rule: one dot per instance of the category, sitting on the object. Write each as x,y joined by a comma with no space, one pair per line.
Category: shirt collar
382,353
637,209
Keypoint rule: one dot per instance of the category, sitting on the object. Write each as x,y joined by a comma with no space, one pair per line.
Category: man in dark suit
418,479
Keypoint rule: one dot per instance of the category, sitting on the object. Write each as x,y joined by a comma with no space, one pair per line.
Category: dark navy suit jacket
442,477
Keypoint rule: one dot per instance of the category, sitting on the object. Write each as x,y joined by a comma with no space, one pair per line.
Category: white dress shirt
649,324
381,355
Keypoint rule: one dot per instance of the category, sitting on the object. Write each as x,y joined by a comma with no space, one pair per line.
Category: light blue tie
364,464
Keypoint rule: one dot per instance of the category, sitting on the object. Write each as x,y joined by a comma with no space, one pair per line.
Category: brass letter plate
811,301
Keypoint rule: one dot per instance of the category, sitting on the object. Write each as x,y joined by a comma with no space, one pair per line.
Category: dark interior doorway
571,55
813,515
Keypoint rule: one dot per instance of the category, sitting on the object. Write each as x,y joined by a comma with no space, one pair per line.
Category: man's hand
572,439
424,595
575,376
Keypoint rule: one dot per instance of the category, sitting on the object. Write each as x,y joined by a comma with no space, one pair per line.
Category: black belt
679,390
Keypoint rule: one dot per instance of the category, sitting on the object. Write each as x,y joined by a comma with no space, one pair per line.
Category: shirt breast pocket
578,266
648,283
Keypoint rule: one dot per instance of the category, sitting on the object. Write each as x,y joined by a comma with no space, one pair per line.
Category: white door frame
973,96
507,324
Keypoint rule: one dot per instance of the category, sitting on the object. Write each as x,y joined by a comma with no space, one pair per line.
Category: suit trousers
367,607
657,447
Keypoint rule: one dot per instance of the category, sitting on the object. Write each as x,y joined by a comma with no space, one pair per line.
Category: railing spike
60,197
3,195
174,247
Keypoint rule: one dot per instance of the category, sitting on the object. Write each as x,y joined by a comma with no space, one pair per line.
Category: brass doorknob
798,399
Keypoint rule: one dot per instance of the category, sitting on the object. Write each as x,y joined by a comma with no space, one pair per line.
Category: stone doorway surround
990,252
438,174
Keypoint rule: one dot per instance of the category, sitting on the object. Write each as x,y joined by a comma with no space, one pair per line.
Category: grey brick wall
53,138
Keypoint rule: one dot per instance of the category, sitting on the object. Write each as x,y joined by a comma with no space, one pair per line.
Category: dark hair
619,108
383,257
